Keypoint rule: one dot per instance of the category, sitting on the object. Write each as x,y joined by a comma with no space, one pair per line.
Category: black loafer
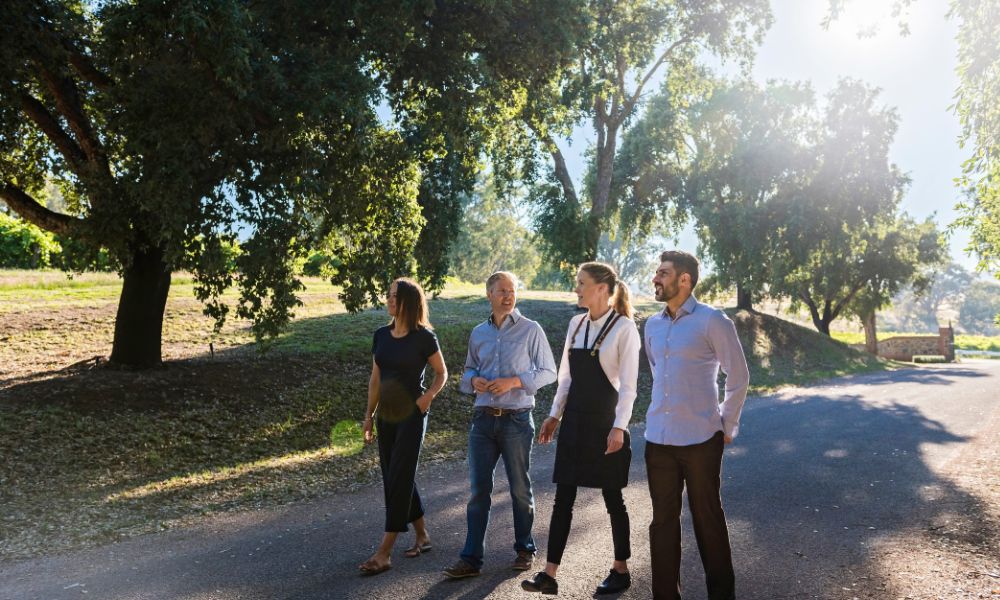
615,582
541,583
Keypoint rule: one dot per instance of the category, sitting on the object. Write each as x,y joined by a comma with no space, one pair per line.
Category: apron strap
608,325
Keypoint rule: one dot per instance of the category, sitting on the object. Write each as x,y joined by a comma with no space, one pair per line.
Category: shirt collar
513,317
687,308
599,322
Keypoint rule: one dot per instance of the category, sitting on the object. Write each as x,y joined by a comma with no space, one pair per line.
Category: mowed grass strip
94,454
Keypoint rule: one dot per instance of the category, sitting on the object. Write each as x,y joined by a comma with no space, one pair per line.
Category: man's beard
665,293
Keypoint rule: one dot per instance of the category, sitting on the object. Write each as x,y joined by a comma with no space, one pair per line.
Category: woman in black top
396,392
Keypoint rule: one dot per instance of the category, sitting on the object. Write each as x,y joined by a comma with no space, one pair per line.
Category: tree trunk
139,323
871,341
744,300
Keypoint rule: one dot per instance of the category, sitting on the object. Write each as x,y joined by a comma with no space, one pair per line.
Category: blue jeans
509,436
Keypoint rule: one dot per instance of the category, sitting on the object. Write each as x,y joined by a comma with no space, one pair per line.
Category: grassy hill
93,454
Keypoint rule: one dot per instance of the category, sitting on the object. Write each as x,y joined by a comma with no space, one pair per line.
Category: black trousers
562,518
398,450
669,470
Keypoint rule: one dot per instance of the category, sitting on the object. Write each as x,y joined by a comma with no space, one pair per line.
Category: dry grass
93,454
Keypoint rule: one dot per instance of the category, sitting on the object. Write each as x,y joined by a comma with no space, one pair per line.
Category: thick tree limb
32,211
562,172
41,116
67,100
89,72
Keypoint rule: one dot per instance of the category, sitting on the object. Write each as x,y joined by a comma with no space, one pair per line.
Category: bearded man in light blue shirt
509,359
687,427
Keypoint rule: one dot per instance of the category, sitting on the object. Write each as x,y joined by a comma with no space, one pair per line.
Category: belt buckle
496,412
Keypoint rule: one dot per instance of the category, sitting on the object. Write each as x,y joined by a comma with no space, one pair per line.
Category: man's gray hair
498,275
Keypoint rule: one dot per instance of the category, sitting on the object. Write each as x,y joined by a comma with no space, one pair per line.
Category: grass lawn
962,341
93,454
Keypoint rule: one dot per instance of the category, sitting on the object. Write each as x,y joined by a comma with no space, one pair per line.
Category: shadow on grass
261,422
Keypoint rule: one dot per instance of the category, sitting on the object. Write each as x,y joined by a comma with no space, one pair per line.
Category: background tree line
356,132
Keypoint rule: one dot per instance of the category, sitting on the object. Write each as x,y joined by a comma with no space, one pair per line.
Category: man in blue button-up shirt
687,427
509,359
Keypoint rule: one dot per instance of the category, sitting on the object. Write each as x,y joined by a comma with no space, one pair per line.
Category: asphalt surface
816,479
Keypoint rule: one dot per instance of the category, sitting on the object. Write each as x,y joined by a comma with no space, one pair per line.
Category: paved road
817,478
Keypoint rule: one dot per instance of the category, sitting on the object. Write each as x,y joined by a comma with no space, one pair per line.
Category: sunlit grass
962,341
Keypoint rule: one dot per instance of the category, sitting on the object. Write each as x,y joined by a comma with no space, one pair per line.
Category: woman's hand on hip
548,430
616,439
424,403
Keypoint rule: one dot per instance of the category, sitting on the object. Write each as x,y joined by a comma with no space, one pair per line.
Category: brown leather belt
499,412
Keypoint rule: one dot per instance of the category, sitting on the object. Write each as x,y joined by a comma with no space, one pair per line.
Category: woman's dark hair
411,305
683,262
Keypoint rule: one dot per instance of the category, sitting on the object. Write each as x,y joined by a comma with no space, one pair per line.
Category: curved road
818,479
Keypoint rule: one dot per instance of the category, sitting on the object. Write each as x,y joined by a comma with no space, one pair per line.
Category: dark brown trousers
699,468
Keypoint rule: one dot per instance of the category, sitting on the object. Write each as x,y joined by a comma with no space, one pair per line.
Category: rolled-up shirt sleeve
564,379
726,343
628,373
543,365
471,370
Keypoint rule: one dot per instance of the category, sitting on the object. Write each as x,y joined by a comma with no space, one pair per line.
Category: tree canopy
174,128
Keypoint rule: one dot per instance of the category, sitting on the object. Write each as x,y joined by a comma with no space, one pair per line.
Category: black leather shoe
615,582
541,583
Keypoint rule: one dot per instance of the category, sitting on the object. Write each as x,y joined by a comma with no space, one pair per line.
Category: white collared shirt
619,358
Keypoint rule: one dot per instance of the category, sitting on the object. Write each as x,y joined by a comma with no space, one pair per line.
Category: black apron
588,419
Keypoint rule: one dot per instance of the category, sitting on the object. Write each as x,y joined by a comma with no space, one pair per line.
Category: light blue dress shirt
685,354
519,349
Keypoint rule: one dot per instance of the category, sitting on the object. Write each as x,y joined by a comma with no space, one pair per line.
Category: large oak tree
174,128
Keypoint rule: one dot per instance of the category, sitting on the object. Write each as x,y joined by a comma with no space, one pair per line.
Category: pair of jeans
699,468
562,518
509,436
398,451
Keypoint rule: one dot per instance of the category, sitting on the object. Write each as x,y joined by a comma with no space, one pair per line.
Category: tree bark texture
139,323
744,300
871,341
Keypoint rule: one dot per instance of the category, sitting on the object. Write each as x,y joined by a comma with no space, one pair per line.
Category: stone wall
904,347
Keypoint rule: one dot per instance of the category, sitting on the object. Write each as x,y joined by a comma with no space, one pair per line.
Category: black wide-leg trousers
398,451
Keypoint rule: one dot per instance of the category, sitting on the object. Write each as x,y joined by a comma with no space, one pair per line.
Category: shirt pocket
514,358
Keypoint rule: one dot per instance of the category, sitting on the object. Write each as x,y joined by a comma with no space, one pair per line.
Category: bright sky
916,74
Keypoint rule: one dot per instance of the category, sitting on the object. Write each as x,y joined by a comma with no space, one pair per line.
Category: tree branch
562,173
67,100
89,72
630,103
33,212
37,112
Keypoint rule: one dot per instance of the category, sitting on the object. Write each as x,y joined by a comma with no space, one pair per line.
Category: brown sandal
370,567
417,550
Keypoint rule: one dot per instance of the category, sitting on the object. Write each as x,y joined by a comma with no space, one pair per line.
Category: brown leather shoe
461,570
523,561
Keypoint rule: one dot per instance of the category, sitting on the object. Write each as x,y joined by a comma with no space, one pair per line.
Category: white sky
916,74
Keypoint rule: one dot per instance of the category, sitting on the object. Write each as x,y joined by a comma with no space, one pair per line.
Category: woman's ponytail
620,301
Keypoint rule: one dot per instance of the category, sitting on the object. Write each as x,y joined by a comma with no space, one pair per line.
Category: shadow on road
813,483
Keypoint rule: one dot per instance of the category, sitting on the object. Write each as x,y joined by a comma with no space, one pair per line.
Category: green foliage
25,246
841,234
492,238
173,130
627,44
750,150
979,112
980,312
917,309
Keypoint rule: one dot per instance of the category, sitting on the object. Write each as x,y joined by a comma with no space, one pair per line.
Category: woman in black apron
597,387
